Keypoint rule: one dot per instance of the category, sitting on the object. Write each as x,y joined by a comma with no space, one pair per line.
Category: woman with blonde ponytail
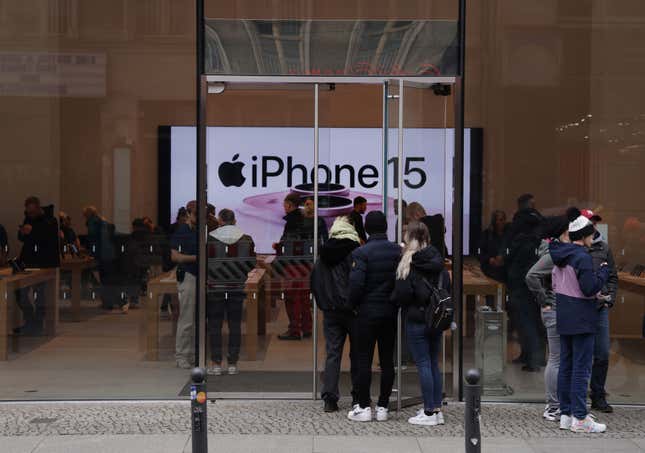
420,265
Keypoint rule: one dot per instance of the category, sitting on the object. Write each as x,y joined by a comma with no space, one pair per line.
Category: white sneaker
214,369
551,414
359,414
565,421
440,419
422,419
232,369
587,425
381,413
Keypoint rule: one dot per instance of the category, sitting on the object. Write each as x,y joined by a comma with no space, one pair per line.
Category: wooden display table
631,283
76,265
9,310
255,302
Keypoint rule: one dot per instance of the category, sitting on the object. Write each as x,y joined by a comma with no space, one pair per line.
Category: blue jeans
425,351
600,356
576,357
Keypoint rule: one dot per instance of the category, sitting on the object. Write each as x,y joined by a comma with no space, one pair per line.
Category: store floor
100,358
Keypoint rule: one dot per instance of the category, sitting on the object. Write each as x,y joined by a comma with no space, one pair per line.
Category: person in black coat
436,225
39,236
295,252
522,255
420,265
371,282
356,217
330,284
490,246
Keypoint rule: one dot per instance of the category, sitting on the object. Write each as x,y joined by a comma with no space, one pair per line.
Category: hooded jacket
575,284
601,253
410,293
371,280
538,278
231,256
330,276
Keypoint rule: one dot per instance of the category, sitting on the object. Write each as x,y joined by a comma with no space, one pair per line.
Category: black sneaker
289,336
331,406
530,369
601,405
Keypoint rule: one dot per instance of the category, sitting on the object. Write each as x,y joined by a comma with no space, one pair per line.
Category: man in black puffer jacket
330,285
371,282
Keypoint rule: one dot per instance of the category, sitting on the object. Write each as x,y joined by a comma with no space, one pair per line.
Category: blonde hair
414,211
416,238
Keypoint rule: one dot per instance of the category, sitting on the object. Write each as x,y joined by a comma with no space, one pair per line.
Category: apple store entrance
333,143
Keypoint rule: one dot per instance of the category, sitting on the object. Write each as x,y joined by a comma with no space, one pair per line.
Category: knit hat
580,228
375,222
343,229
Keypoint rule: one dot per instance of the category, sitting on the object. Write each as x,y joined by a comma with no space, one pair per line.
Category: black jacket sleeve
357,277
403,294
612,281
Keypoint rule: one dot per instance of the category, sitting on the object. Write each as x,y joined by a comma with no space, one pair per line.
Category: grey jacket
538,278
600,253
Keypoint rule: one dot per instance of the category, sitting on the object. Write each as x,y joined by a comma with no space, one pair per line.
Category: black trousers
225,305
337,327
369,333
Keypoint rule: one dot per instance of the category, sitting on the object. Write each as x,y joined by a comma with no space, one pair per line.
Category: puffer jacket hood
427,261
228,234
562,252
334,251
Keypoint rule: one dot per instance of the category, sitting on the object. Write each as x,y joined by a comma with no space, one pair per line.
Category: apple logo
230,173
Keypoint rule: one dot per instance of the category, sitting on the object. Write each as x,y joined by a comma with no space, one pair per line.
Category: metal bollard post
198,400
472,397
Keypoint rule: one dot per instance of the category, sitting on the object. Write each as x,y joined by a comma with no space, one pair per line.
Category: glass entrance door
260,248
285,154
418,157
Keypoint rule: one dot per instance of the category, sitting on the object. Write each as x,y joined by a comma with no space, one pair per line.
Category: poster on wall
251,169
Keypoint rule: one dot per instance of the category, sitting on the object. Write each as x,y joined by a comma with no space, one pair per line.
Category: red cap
588,213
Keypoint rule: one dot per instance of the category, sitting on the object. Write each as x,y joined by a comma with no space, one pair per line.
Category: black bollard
198,400
472,397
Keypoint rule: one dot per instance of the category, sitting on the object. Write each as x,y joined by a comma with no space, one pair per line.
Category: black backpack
439,310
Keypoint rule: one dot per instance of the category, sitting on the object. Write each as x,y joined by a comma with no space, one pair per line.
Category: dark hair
493,217
210,209
417,230
437,229
523,200
293,198
32,200
227,216
138,224
359,200
181,212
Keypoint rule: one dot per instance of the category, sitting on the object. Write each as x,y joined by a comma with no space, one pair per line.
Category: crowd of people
559,271
562,281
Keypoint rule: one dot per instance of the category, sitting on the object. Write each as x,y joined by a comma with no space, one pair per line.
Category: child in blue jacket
576,286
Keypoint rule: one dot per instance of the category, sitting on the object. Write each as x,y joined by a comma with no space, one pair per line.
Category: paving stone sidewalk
246,417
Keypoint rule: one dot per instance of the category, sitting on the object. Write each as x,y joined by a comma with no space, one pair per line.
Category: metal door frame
206,81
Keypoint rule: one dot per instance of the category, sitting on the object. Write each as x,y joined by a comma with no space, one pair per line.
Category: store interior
565,125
